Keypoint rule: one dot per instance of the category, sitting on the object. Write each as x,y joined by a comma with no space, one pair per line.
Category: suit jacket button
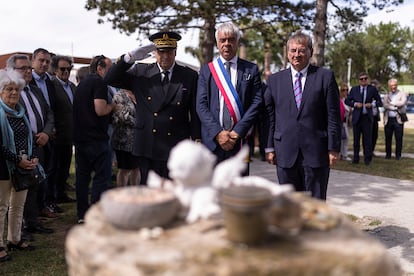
178,103
171,118
154,130
169,133
155,114
149,98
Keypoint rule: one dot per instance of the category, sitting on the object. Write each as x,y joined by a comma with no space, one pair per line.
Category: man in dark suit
63,140
363,98
302,104
42,123
228,96
41,59
165,93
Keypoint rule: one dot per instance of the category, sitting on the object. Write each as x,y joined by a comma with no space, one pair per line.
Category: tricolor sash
227,89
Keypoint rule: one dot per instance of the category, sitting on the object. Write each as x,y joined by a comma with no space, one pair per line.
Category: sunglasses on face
363,78
63,69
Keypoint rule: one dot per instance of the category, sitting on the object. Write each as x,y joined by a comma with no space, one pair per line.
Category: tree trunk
319,33
208,40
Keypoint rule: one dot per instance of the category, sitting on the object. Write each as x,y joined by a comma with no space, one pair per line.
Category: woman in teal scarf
17,149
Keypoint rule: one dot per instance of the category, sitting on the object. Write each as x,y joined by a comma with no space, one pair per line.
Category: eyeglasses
63,69
10,89
23,68
363,78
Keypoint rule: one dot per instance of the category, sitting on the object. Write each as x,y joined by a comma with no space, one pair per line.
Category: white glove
139,53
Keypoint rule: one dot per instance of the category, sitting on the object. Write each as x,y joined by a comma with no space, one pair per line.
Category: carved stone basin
134,207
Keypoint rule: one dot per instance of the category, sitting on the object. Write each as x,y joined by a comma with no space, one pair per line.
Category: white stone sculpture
196,182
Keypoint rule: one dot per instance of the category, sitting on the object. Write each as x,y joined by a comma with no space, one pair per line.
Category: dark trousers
374,133
91,158
61,160
147,164
36,194
31,209
364,127
393,127
305,178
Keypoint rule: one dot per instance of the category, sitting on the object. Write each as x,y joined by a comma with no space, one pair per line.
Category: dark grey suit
363,123
302,138
35,199
248,88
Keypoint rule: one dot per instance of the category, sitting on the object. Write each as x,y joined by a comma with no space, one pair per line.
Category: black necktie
39,123
165,79
227,122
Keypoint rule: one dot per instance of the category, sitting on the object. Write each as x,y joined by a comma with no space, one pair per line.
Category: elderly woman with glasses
17,149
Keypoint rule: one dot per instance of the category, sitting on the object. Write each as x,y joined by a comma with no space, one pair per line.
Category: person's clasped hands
227,139
139,53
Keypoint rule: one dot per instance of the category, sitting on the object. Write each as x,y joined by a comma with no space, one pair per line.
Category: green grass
49,256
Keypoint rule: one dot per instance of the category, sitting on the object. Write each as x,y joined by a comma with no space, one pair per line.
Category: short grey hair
11,61
229,28
392,80
301,38
11,76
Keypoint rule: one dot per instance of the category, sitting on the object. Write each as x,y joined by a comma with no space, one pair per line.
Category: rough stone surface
97,248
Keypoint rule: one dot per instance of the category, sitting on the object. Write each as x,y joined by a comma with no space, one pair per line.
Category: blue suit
302,138
363,123
208,105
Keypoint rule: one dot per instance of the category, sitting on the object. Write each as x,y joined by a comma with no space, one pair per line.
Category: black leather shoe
65,199
19,246
354,162
6,257
39,229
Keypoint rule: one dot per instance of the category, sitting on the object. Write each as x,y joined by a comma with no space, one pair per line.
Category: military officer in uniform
165,93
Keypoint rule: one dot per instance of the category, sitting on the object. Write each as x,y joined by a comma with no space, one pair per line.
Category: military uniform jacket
163,118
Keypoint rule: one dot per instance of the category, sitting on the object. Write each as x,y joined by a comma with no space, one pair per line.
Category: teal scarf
7,132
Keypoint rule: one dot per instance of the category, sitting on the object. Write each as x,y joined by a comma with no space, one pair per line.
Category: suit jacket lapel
151,93
240,70
309,80
289,87
173,86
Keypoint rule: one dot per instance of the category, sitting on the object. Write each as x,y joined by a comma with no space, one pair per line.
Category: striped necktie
297,88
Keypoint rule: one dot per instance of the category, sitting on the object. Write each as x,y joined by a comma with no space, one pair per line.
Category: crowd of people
135,113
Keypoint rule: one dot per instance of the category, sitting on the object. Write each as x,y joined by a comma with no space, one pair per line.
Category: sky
66,27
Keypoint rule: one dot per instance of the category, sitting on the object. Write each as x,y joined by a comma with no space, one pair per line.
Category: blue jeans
91,157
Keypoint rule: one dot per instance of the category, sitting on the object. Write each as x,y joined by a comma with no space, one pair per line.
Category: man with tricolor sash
228,96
